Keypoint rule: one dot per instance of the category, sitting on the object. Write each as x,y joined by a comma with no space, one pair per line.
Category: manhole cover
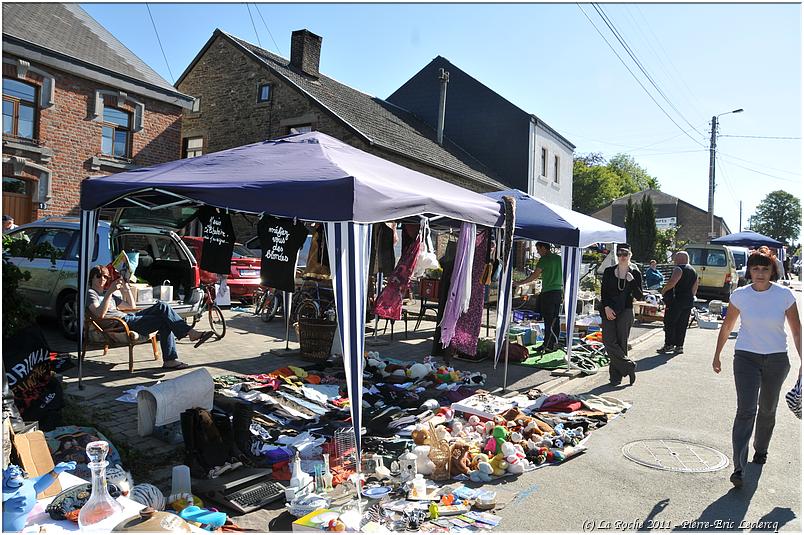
675,455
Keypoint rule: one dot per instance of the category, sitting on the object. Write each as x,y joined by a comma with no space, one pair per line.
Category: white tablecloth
38,516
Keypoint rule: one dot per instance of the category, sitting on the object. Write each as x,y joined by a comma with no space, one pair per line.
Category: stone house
76,103
692,222
247,94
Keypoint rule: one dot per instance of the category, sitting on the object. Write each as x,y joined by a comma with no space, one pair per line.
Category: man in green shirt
549,269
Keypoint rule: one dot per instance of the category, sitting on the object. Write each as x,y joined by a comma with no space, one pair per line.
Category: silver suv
53,288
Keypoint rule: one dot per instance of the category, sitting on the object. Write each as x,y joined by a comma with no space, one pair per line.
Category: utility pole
712,147
741,217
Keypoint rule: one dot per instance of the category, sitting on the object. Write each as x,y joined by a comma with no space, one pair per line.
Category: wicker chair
114,332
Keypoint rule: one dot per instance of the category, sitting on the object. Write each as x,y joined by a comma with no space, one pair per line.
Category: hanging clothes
467,329
318,256
389,302
219,238
460,291
280,240
447,265
383,239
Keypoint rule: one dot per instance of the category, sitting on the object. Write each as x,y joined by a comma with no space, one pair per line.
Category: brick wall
67,129
694,224
226,80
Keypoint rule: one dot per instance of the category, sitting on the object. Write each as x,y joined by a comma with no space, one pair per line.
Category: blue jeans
160,317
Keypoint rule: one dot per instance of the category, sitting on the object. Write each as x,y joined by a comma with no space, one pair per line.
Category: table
38,517
647,312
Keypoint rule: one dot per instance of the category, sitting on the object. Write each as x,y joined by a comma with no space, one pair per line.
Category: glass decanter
101,513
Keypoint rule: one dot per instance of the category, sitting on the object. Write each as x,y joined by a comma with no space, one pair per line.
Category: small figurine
19,493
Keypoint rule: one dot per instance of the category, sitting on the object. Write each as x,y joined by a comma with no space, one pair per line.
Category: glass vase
101,513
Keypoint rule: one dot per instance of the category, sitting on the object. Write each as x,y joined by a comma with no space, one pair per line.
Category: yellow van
716,268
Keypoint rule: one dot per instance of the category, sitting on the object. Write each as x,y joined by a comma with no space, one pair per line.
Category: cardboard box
35,459
143,293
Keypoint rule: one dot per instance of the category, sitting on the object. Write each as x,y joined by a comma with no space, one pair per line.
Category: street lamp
712,146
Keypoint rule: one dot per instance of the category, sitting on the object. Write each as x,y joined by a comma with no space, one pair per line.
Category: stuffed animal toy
498,464
442,433
500,434
419,371
459,459
424,465
516,437
149,496
457,429
115,475
446,413
19,493
420,435
473,420
481,469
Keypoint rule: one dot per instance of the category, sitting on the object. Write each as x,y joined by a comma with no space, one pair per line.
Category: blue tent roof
540,220
311,176
747,238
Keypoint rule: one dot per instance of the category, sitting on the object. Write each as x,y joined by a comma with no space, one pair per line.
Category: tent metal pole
286,305
505,376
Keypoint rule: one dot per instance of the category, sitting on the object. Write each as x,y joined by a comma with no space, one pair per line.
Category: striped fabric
88,229
571,267
793,399
348,245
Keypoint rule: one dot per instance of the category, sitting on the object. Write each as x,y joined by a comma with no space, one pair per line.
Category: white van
740,260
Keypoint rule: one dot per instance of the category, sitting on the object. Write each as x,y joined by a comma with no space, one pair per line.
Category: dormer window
19,108
116,136
264,93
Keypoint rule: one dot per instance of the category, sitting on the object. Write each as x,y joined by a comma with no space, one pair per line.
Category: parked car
244,277
53,288
740,261
716,269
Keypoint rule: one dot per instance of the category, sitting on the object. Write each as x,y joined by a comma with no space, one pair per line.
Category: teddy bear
424,465
499,464
459,459
420,435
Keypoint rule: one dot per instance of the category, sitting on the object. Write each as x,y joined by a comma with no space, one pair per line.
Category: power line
637,79
765,174
158,40
631,53
253,25
757,163
726,179
257,7
762,137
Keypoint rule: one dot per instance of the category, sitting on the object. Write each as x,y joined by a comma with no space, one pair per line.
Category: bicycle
266,303
217,323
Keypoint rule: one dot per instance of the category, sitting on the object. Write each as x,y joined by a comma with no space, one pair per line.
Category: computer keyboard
255,496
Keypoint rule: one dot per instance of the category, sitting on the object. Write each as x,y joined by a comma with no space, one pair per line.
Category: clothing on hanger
280,240
219,237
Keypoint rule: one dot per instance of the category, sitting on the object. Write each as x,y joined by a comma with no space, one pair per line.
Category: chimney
305,52
443,77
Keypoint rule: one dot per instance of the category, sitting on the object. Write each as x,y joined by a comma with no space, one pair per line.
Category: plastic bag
427,258
222,295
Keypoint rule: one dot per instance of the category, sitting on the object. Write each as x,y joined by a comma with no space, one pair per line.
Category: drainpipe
443,77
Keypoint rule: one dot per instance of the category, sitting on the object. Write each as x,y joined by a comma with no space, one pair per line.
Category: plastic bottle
419,486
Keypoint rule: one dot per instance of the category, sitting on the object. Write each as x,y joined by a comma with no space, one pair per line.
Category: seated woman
102,303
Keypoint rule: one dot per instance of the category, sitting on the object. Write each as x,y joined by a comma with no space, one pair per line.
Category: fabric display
460,291
69,443
318,257
467,328
219,238
280,240
389,302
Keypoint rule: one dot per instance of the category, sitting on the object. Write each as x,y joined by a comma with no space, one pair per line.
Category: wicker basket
315,338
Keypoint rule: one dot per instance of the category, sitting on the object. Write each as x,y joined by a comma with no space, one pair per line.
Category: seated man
102,303
654,280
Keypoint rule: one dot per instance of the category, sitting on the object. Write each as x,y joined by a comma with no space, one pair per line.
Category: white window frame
556,168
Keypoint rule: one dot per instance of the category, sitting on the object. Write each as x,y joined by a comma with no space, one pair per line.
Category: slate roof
68,30
379,122
657,196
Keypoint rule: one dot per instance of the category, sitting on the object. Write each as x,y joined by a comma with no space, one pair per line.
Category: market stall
543,221
311,177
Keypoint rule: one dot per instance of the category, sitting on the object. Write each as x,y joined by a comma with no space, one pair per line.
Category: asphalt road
675,397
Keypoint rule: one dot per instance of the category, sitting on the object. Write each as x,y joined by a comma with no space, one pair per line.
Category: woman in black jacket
622,283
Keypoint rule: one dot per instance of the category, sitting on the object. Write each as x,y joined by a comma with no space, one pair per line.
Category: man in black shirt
679,294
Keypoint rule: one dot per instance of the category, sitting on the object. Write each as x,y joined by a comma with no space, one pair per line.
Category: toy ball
336,524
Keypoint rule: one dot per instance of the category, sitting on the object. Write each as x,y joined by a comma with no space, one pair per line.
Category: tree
778,216
640,227
633,177
593,187
667,242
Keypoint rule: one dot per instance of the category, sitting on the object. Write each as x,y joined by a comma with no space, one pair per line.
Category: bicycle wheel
270,307
259,302
216,322
198,315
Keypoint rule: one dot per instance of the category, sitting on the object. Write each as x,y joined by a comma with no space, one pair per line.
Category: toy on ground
206,519
19,493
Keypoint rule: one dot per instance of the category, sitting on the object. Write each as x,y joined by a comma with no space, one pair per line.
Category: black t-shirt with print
280,240
219,238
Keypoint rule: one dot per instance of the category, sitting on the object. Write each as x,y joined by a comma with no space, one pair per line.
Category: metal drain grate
675,455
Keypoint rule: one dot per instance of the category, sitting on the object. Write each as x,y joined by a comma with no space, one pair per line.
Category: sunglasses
623,253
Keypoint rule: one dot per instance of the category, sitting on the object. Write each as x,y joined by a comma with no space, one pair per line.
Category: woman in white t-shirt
760,356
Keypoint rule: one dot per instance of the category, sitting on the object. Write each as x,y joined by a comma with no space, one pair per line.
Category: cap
626,246
8,218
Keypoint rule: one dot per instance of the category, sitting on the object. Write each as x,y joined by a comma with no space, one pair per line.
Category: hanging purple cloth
389,302
460,289
468,327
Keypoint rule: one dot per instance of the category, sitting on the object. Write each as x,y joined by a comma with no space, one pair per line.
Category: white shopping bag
164,292
222,296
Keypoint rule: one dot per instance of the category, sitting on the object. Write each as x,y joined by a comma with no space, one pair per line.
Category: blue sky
549,60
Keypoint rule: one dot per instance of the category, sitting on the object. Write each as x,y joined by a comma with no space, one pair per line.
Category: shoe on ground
678,350
665,349
760,458
614,383
736,479
174,365
632,377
